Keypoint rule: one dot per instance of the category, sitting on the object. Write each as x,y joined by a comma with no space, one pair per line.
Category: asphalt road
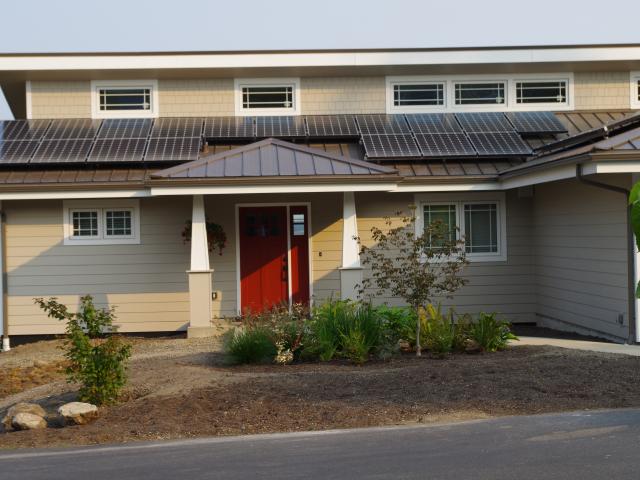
601,445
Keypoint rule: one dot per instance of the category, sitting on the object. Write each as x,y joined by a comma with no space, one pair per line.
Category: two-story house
529,152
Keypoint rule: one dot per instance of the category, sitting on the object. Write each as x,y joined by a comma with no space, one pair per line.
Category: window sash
418,94
118,223
119,99
480,93
541,92
481,227
268,97
85,224
445,213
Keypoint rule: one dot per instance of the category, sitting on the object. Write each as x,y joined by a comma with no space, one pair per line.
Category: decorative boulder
28,421
78,413
32,408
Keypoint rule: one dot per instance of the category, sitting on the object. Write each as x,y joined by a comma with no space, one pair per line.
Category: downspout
4,318
632,270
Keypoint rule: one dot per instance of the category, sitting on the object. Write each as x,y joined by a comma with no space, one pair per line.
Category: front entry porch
277,253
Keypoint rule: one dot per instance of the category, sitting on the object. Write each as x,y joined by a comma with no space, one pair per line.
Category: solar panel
23,129
536,122
172,149
445,145
434,123
389,146
62,151
17,151
382,124
118,150
125,128
499,143
332,126
72,128
280,127
484,122
177,127
229,127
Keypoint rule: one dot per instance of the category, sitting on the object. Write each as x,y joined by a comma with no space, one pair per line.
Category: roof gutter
633,267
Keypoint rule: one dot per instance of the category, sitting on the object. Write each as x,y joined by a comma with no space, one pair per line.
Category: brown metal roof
273,158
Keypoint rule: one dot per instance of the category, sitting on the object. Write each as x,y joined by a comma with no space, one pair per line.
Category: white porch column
200,275
351,270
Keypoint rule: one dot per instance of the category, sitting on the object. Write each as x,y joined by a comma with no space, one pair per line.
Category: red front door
264,256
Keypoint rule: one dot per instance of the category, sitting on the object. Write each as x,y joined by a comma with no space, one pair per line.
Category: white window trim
460,200
239,83
634,78
101,206
510,92
96,85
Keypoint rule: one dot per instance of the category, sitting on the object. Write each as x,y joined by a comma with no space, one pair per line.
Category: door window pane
298,224
481,228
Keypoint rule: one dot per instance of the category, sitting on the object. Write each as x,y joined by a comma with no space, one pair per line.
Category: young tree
414,267
97,360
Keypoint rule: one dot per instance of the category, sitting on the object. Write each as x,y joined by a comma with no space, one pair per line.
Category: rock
471,346
32,408
78,413
28,421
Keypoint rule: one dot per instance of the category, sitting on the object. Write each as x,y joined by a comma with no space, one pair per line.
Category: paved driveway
581,445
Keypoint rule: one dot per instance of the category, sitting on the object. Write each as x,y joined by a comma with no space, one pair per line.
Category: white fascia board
613,167
252,189
450,187
317,59
58,195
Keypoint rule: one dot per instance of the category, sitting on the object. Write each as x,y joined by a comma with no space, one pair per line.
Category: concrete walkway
602,347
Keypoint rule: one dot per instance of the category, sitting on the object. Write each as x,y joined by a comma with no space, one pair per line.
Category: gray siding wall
147,282
504,287
581,257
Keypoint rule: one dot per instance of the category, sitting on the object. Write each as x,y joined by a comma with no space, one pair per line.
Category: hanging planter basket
216,236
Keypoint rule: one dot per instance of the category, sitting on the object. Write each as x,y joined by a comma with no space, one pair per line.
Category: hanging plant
216,237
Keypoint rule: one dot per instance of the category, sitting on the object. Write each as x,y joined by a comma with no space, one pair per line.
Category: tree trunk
418,324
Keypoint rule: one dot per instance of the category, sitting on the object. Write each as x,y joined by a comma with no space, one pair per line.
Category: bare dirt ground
184,388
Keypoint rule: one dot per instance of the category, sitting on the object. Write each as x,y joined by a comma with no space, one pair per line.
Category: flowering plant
216,236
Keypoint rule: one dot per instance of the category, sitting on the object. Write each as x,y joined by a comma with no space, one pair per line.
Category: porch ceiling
272,158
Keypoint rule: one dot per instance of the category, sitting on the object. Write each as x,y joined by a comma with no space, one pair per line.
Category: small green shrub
462,330
397,324
438,330
252,344
490,333
97,360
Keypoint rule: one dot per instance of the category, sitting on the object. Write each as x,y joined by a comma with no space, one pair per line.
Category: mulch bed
271,398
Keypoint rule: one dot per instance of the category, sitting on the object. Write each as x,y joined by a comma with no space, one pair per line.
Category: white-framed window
635,89
267,96
124,98
478,219
459,93
101,222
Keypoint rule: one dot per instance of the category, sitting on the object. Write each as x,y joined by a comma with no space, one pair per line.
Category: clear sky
162,25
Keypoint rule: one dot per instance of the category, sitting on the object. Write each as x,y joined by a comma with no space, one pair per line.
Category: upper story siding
319,95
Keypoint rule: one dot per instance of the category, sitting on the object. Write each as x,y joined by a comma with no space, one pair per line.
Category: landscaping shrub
340,328
97,359
252,344
438,330
490,333
398,324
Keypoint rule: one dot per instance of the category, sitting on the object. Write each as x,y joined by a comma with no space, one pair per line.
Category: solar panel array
536,122
428,135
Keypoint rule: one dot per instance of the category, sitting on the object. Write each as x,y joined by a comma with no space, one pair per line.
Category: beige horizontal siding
319,95
146,282
502,287
581,257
